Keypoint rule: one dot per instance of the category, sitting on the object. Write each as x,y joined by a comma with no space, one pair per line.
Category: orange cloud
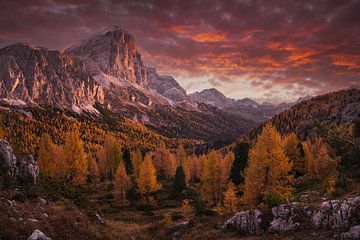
280,46
209,37
346,60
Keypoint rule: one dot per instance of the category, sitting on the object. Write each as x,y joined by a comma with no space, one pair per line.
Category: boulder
99,219
7,159
337,214
284,218
21,166
38,235
246,222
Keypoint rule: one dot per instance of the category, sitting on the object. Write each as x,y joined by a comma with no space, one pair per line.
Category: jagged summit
113,53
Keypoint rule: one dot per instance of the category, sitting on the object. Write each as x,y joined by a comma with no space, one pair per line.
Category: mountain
245,107
318,115
106,70
37,75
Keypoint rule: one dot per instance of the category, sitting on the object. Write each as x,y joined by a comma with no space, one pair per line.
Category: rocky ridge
32,75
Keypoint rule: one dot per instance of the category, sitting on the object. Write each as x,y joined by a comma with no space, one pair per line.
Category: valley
192,120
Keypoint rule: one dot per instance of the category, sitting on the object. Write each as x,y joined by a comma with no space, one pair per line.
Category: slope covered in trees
317,116
23,127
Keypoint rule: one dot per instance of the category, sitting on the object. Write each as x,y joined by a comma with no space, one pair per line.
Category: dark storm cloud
270,44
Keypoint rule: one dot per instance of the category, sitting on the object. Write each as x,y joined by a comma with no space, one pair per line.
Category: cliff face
113,53
40,76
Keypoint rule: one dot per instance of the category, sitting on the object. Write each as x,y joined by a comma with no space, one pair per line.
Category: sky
269,50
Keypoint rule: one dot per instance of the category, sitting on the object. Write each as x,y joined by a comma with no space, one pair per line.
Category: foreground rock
337,215
246,222
38,235
285,217
23,167
7,159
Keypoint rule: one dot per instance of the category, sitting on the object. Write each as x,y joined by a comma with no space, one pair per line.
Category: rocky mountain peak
114,53
210,96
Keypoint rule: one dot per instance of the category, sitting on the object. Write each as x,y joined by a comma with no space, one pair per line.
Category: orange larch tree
122,182
268,170
147,181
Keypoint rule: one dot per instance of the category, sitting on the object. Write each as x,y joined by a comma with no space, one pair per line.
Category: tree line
226,179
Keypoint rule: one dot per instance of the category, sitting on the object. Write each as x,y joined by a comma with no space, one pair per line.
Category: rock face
8,159
337,214
38,235
114,53
246,222
333,215
41,76
23,167
166,86
284,218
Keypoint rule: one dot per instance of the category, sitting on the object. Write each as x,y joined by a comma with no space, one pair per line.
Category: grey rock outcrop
333,215
246,222
38,235
23,166
337,214
284,218
7,159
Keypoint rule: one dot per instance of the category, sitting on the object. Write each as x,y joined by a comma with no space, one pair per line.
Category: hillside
25,125
317,116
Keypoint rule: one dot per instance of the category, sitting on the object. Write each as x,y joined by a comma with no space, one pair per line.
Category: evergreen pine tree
241,152
179,182
126,157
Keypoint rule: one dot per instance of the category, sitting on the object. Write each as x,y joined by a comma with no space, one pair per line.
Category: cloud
263,45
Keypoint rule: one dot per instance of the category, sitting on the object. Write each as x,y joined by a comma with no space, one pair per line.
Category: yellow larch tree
93,168
147,181
75,159
163,162
122,182
294,151
186,165
181,155
109,156
231,200
320,164
225,168
47,156
194,165
210,176
268,170
136,161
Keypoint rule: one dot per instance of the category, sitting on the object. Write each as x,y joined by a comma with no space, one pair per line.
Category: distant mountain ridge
245,107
